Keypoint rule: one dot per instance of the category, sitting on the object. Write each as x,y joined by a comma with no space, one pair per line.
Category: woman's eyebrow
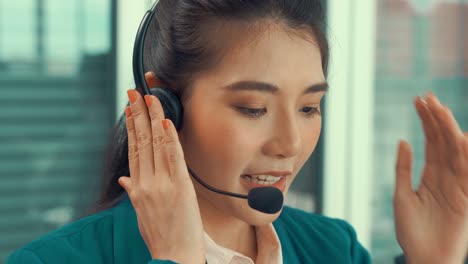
271,88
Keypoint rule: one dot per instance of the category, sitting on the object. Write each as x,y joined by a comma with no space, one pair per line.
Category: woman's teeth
262,179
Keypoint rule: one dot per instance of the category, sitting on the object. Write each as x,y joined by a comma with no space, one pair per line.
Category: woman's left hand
432,222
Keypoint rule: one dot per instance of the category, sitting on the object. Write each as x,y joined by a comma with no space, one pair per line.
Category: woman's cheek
238,135
224,138
311,138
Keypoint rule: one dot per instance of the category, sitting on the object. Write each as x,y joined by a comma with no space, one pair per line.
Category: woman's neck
228,231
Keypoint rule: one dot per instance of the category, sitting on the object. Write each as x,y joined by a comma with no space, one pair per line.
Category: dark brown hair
185,39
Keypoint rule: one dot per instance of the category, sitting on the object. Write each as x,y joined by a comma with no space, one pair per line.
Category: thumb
126,183
466,134
404,165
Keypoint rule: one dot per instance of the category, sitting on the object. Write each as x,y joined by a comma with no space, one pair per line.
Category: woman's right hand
160,188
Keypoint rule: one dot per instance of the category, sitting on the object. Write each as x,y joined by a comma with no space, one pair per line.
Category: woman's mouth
255,181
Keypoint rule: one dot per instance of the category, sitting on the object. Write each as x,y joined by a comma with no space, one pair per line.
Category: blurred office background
65,67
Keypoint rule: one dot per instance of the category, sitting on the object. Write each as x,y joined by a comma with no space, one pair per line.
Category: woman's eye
311,111
255,113
252,112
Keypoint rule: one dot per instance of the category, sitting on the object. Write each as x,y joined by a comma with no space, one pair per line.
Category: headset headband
138,48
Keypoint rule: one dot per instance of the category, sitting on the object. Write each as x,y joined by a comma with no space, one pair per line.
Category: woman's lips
281,184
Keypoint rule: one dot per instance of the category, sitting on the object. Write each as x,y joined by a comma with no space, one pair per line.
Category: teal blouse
112,236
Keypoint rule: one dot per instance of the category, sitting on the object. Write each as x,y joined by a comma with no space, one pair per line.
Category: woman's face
221,141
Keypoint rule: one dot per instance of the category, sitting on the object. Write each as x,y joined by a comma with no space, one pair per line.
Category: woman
241,69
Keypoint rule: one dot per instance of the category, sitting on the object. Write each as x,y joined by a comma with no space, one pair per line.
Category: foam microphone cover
268,200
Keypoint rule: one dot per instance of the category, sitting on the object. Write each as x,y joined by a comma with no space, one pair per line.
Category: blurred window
422,45
57,108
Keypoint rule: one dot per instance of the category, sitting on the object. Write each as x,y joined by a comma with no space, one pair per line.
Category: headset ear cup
171,104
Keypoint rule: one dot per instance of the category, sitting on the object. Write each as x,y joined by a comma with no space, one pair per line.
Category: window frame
349,113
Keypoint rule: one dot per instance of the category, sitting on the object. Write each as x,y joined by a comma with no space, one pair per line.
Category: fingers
126,183
431,131
168,153
449,128
175,154
464,175
142,125
404,168
454,140
132,145
156,114
465,148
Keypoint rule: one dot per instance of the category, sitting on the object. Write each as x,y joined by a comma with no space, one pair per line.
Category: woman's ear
152,80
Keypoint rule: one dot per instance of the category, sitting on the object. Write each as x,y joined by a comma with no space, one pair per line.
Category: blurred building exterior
56,111
421,46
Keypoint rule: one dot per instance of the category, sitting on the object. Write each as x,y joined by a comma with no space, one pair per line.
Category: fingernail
148,100
434,97
132,96
421,99
165,123
128,111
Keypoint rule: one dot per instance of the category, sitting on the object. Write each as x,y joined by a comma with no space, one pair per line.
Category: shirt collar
268,249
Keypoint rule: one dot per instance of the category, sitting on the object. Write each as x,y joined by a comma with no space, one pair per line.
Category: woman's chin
235,207
254,217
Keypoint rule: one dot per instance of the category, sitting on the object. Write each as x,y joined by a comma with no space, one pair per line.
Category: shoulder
319,238
298,220
70,242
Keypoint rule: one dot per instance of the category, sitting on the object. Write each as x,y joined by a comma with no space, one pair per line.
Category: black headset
170,101
265,199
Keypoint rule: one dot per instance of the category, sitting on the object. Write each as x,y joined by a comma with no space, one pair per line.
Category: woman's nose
285,139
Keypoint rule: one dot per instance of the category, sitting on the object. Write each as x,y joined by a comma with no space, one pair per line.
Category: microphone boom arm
214,189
